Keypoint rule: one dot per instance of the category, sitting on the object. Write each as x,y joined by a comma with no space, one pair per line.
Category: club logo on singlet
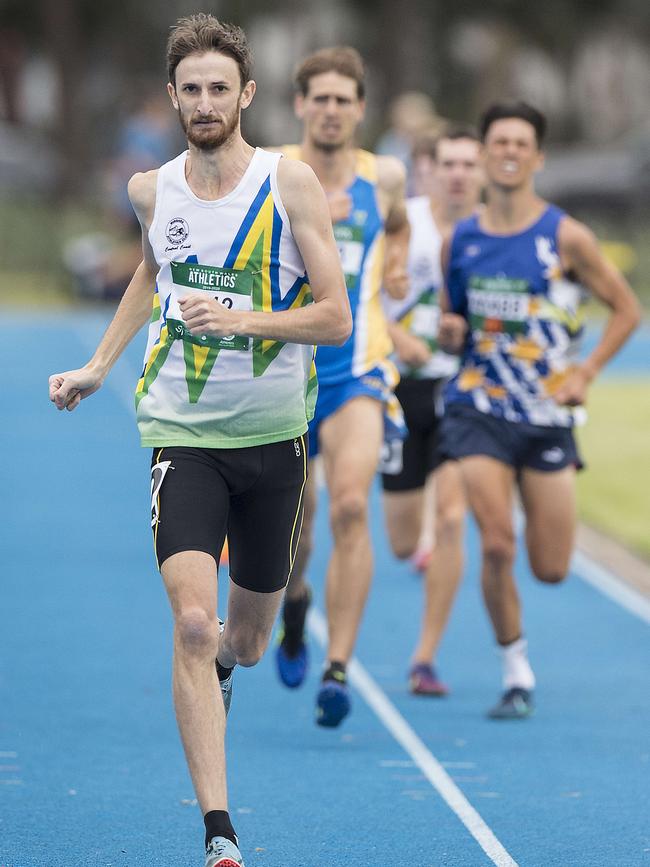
177,232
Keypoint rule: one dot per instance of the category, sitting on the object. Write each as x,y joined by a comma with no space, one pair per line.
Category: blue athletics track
91,769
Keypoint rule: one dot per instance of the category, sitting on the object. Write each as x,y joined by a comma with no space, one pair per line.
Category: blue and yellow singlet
361,242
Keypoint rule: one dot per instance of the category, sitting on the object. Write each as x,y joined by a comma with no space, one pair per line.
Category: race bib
349,240
424,323
498,304
231,288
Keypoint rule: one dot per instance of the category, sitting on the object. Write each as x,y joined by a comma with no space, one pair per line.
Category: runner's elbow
343,328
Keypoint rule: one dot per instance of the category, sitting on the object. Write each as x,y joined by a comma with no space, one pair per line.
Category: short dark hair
200,33
342,59
427,143
521,110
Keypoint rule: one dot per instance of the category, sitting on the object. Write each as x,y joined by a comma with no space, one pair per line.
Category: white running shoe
226,685
222,852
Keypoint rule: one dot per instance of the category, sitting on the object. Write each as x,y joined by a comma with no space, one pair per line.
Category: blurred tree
62,25
462,53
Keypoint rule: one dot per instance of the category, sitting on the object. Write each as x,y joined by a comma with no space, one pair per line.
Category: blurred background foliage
73,72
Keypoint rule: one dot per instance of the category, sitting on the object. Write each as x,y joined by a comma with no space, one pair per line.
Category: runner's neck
212,175
334,169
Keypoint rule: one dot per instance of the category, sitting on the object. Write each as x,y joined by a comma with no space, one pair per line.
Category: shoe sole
430,693
333,705
512,716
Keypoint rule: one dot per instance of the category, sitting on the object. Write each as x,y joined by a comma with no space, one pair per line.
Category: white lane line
611,586
362,682
377,700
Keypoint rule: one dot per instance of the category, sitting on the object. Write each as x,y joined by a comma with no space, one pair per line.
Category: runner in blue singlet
515,276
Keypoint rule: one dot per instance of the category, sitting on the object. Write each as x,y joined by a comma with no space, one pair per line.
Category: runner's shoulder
291,151
296,176
142,190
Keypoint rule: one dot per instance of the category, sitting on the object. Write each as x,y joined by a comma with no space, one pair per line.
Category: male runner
514,279
356,381
229,234
457,179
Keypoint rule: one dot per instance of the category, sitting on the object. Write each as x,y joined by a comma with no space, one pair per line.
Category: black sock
294,614
335,671
217,824
222,671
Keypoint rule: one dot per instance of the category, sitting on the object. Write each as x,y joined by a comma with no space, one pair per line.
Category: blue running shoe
515,703
222,852
292,668
332,702
292,655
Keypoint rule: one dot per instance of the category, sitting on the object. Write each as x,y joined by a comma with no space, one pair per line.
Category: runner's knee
499,548
449,522
348,510
403,548
549,576
248,646
196,631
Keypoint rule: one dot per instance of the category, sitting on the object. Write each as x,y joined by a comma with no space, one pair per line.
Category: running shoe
225,685
222,852
292,668
515,703
292,654
423,680
226,691
332,701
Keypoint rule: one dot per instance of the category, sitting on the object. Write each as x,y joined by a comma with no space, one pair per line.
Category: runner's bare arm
392,183
410,349
328,320
452,329
68,389
581,255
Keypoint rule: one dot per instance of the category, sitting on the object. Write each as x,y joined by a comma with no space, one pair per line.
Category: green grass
31,245
614,490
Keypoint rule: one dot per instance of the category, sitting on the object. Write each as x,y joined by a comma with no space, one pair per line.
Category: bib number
349,241
231,288
426,318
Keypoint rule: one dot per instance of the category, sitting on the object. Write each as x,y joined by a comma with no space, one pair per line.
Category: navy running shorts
465,431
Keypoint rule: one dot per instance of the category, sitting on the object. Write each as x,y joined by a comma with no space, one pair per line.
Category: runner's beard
328,147
210,140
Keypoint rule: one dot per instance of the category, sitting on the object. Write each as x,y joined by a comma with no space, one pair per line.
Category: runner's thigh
266,518
351,441
548,499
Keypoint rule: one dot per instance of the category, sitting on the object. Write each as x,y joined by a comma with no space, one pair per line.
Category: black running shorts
420,450
466,432
253,495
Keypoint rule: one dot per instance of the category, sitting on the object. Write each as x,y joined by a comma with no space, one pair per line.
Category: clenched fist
452,331
208,316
